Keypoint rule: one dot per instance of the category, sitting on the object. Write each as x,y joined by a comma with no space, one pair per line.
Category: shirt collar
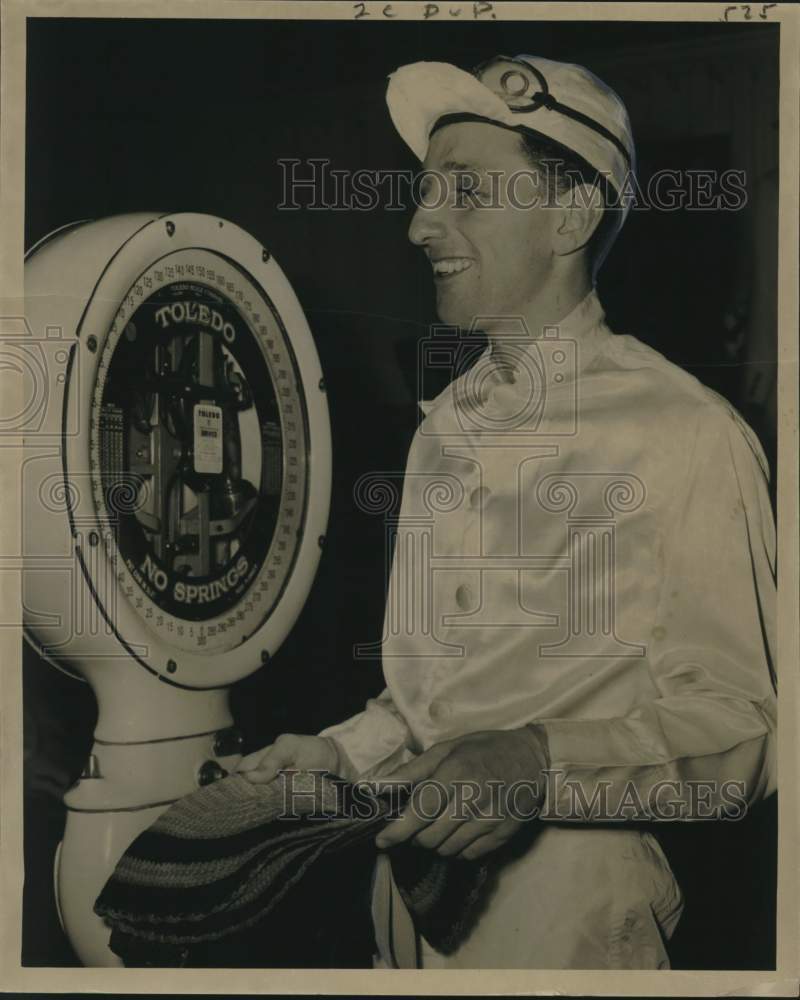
543,357
585,318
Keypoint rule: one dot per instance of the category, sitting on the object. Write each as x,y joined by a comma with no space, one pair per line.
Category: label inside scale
207,438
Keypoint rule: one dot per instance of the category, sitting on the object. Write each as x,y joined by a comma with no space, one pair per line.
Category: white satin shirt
589,546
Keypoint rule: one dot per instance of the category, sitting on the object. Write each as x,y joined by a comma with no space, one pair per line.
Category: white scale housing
176,487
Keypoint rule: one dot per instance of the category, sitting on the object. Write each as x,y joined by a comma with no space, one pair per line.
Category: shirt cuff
367,740
618,769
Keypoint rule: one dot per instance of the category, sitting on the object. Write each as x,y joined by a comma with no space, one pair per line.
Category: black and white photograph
400,479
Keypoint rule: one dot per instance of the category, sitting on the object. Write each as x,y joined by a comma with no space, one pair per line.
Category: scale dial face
199,451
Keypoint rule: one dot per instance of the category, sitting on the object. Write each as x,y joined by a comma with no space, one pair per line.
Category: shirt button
478,497
440,709
464,596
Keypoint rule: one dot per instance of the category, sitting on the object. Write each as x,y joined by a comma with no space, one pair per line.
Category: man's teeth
452,265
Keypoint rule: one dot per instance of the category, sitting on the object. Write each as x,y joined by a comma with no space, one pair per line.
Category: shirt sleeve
376,738
704,746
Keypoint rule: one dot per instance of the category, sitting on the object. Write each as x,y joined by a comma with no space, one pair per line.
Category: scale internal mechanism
189,423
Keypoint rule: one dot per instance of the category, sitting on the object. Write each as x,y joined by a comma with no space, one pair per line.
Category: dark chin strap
548,101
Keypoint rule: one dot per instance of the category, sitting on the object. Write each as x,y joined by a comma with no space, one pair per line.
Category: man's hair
565,170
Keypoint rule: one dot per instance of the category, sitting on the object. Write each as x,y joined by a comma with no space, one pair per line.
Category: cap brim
421,93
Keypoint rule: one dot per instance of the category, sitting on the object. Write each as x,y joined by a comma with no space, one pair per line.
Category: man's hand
301,753
471,794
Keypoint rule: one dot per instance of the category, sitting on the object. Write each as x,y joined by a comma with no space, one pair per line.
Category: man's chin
455,313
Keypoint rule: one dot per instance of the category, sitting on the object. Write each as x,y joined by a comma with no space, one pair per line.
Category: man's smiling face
487,261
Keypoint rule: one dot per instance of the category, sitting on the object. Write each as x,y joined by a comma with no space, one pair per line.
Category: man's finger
463,835
252,760
490,841
401,829
428,802
258,777
441,831
270,764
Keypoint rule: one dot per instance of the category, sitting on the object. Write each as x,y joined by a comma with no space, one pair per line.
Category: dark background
128,115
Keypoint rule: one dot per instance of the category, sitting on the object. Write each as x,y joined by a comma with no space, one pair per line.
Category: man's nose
427,224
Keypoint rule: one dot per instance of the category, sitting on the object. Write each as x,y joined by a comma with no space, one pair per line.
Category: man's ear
581,211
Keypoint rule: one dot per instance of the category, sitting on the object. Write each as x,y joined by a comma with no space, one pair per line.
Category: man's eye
467,194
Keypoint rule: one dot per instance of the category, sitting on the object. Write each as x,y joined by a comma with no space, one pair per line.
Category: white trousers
580,897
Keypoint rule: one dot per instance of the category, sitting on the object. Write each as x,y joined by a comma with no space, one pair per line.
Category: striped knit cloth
231,858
